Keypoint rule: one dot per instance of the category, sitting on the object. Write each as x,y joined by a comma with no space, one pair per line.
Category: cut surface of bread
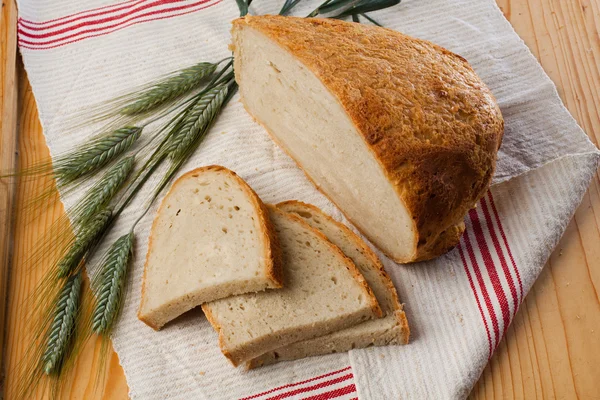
211,238
413,126
391,329
323,292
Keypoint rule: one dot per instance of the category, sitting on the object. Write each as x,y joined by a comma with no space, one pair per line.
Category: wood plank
553,347
552,350
8,147
33,149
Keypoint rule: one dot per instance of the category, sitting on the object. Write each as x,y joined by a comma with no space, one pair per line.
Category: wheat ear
95,154
85,240
111,284
197,119
103,191
170,88
63,325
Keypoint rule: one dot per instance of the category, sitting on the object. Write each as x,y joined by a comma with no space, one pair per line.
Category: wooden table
552,349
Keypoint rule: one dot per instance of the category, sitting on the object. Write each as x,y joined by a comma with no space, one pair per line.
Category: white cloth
80,52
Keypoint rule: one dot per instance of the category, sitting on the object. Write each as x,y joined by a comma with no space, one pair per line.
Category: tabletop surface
552,348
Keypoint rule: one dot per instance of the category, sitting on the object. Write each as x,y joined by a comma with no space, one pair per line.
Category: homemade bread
391,329
211,238
400,133
323,292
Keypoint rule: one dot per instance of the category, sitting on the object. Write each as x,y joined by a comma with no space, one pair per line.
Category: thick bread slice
413,126
323,292
211,238
391,329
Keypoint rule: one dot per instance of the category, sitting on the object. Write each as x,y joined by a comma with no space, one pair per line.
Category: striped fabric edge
491,271
332,385
101,21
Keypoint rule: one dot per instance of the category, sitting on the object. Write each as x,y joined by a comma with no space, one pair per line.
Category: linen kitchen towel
78,53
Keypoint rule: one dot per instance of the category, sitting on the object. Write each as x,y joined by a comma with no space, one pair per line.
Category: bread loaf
211,238
399,133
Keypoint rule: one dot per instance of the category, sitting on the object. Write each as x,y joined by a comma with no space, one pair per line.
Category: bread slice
323,292
211,238
413,126
391,329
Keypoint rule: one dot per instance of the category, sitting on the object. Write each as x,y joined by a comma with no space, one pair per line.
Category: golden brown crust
148,322
349,264
429,120
358,242
239,356
141,317
404,328
211,319
273,264
399,334
446,241
254,363
404,332
273,252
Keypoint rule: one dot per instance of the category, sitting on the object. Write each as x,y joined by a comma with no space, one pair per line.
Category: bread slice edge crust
271,253
397,334
258,346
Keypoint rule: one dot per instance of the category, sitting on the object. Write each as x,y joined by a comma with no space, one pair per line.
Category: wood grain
552,349
8,147
23,280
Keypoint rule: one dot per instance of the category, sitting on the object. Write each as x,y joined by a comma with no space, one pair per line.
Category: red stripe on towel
500,253
106,19
501,228
491,270
111,28
334,393
54,23
86,13
483,288
297,383
89,33
466,267
305,389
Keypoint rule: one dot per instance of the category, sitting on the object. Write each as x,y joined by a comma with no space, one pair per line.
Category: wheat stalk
63,325
170,88
352,8
85,240
360,7
287,6
94,155
243,6
198,118
111,284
